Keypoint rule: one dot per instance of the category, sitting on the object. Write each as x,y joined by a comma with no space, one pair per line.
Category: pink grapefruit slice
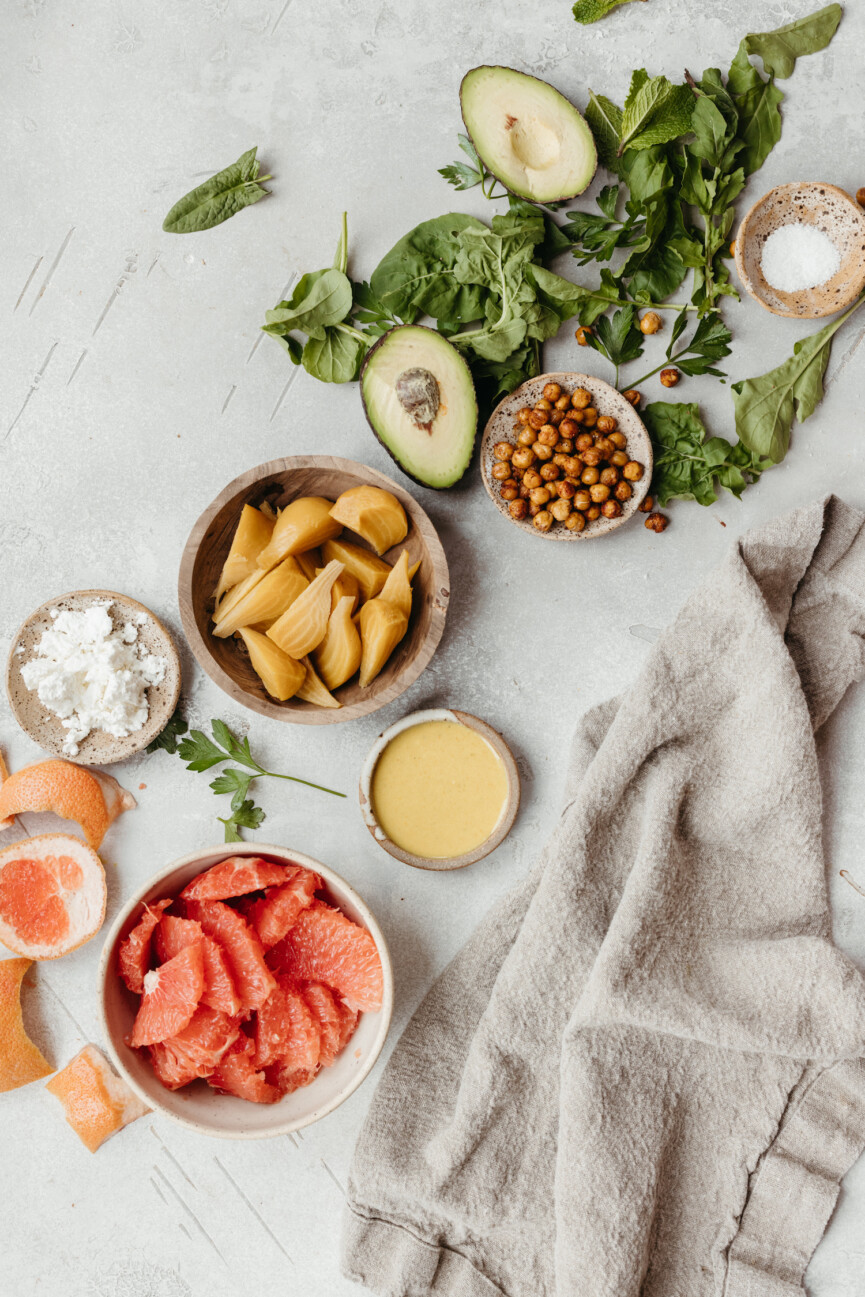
174,935
133,957
52,895
278,910
170,998
196,1050
285,1028
236,1074
324,945
244,953
234,877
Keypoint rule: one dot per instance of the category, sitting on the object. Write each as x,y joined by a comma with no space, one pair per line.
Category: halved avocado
527,134
419,400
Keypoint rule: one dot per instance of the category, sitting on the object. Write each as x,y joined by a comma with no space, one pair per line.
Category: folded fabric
644,1076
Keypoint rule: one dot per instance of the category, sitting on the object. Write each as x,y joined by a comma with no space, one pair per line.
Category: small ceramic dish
196,1105
505,820
98,748
607,401
827,208
278,482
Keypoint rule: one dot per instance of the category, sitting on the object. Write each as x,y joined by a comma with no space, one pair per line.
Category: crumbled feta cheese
91,676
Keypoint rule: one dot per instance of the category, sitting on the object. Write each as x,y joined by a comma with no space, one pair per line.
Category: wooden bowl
279,482
196,1105
509,810
827,208
98,748
607,401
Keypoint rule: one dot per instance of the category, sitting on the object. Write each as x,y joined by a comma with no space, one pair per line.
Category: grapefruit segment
234,877
278,910
96,1101
324,945
20,1061
286,1029
52,895
244,954
328,1014
236,1074
196,1050
133,957
91,798
170,998
287,1078
174,935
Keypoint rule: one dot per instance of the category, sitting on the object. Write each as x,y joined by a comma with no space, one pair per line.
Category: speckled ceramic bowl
827,208
196,1105
98,748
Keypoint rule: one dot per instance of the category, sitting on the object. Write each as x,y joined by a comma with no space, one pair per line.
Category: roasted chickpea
582,500
518,509
556,417
669,378
564,447
576,416
657,522
548,435
510,489
537,419
561,509
575,522
584,441
503,450
561,459
523,414
580,398
590,416
633,396
552,392
540,495
599,493
633,471
650,322
517,472
563,402
591,456
623,491
582,335
619,458
605,447
590,476
524,491
543,520
524,457
860,199
500,471
532,478
648,504
618,439
567,428
593,514
566,489
543,404
550,471
607,424
609,476
527,437
574,466
611,509
542,451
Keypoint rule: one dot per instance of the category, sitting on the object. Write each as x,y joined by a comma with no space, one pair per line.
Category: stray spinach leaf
219,197
688,462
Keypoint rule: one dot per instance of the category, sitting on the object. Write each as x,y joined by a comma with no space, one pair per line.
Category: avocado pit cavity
418,393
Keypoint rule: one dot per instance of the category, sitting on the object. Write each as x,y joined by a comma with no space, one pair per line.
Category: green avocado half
419,400
527,134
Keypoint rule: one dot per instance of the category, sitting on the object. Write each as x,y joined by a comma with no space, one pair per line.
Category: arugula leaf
756,100
589,11
765,406
655,111
167,739
219,197
779,49
687,462
605,122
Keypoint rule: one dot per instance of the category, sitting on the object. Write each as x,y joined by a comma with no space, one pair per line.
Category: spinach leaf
219,197
417,276
321,298
655,111
337,357
688,462
779,49
589,11
605,122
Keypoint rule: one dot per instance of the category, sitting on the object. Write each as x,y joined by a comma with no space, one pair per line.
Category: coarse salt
798,256
91,675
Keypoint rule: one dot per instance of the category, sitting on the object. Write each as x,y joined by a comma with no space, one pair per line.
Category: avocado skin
500,67
369,356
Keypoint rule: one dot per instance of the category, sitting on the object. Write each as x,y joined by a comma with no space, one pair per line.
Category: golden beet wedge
382,626
338,655
397,587
252,535
314,690
310,561
302,627
369,571
268,595
280,674
302,525
374,514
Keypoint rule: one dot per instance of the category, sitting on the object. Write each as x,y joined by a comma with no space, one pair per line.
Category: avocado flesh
433,451
527,134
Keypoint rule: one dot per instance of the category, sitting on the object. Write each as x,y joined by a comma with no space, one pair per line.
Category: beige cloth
643,1075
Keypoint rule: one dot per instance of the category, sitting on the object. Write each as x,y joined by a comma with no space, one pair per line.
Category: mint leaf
655,112
605,122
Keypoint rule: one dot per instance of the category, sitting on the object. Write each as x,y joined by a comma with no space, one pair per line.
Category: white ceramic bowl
196,1105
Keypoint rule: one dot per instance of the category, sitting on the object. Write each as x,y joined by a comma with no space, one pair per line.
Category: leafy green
688,462
780,49
655,111
462,176
765,406
418,277
219,197
167,739
589,11
321,298
618,338
605,122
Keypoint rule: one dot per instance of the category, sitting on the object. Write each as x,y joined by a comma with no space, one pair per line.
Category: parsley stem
294,779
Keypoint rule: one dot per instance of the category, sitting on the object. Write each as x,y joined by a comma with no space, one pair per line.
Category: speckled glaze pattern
827,208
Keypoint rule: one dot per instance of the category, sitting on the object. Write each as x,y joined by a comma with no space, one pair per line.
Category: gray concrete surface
136,385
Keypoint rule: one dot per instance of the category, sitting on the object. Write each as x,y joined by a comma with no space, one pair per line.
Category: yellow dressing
438,789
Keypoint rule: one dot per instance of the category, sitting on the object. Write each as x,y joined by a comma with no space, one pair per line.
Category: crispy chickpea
567,428
590,416
500,471
524,491
584,441
669,378
633,471
623,491
552,392
542,451
561,510
611,509
564,447
581,398
657,522
860,199
550,472
618,439
527,437
523,414
605,447
524,457
510,490
607,424
556,417
576,416
582,335
609,476
593,514
537,419
561,459
590,476
575,522
540,495
582,500
503,450
619,458
591,456
650,322
517,472
574,466
563,402
543,404
632,396
532,478
599,493
548,435
534,510
518,509
566,489
648,504
543,520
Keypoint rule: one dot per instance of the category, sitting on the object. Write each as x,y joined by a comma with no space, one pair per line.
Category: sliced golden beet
382,626
397,588
302,525
310,562
314,690
302,627
374,514
345,584
268,596
369,571
252,535
338,655
280,674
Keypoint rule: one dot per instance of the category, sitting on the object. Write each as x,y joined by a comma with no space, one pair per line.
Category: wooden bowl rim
283,711
742,241
509,810
117,749
603,526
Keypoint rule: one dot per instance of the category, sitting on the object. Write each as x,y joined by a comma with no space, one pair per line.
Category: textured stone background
134,388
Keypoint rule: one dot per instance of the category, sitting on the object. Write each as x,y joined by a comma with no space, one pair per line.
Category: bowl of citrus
246,991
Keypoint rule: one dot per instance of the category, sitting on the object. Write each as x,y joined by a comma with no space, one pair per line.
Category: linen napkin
644,1076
